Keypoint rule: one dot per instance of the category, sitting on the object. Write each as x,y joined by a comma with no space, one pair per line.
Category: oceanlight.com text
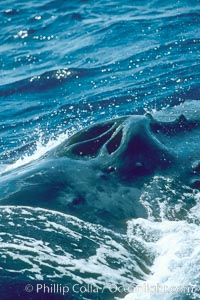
145,288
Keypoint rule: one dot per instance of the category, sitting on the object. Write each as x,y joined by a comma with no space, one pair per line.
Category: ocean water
69,64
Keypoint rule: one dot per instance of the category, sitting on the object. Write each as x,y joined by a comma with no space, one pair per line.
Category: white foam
41,149
176,247
107,254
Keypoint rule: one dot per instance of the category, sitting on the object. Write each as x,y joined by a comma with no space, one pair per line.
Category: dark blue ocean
65,65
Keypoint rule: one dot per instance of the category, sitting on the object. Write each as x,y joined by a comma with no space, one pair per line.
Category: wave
39,83
66,250
175,245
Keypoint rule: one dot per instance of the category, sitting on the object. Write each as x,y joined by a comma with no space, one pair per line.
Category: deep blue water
68,64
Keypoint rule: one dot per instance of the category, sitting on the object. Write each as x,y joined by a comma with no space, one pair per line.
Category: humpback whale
99,173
